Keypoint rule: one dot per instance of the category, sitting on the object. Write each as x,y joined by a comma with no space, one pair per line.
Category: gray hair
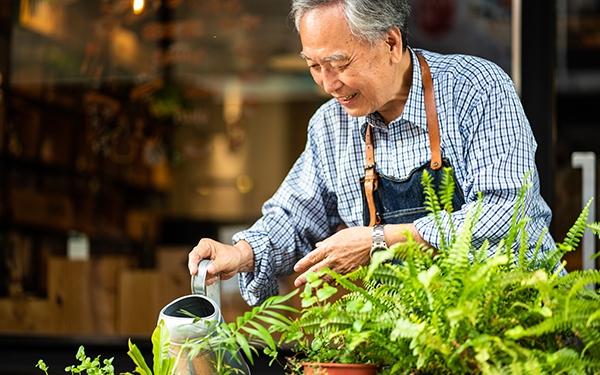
368,19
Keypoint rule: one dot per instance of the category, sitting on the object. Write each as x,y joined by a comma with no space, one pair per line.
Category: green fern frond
432,205
348,285
534,261
518,212
588,277
456,264
595,228
523,244
575,234
446,190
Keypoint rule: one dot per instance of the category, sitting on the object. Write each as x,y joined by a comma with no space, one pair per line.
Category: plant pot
315,368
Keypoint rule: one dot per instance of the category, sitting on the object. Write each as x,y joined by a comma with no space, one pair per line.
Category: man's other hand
343,252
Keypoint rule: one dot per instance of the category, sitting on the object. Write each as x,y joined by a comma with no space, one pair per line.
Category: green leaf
325,292
406,329
138,359
243,343
162,364
307,302
357,325
425,277
263,334
42,366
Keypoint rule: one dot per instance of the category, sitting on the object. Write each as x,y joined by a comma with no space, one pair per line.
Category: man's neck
396,106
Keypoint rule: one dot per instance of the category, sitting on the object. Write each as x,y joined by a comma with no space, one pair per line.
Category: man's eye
314,67
341,67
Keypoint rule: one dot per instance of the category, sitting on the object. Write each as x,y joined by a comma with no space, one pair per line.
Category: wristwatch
378,239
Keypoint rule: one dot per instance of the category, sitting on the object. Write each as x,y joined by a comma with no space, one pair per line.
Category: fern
570,242
432,205
576,232
460,311
447,189
595,228
516,224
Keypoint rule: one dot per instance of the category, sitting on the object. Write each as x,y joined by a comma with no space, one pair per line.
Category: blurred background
130,129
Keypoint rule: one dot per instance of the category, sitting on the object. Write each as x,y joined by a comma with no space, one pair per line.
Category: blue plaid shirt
485,136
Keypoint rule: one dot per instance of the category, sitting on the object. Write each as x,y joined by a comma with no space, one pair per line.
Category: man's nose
331,82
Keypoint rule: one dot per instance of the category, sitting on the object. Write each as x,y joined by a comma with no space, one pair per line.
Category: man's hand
227,260
343,252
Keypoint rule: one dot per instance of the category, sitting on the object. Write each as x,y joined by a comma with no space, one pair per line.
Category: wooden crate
139,302
69,285
86,293
28,315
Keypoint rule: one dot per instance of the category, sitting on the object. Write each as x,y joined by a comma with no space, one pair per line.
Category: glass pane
475,27
578,90
144,129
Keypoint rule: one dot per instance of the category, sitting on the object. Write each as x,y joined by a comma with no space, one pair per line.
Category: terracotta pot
314,368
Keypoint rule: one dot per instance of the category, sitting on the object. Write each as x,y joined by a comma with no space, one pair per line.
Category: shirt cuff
260,284
428,229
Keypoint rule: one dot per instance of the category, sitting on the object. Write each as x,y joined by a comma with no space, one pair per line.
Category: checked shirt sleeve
299,214
499,151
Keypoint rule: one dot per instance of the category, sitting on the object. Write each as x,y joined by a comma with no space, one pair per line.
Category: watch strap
378,239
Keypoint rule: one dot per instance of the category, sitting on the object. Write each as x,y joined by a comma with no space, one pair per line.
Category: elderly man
395,112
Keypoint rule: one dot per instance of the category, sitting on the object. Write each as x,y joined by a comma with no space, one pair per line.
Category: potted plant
255,329
458,310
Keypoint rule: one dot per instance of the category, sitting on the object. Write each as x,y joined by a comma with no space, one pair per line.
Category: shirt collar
414,109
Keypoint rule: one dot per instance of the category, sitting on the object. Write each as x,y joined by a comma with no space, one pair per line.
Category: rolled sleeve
302,212
261,283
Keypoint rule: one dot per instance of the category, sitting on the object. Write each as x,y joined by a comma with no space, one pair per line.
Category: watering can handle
199,279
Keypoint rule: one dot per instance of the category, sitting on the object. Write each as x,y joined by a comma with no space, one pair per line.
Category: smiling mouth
347,97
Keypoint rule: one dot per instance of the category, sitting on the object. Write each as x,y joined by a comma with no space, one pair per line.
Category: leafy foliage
461,311
86,365
256,328
163,363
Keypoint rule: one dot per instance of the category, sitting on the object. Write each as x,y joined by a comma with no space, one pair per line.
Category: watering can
205,304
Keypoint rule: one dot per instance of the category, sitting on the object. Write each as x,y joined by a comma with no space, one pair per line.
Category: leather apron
388,200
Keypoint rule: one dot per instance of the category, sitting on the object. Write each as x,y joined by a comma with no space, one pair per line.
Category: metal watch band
378,239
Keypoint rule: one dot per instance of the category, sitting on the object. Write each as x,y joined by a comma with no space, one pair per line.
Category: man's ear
393,39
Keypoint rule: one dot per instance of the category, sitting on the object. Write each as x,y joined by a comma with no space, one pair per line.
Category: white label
78,247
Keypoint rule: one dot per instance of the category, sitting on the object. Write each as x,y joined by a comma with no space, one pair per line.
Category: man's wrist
246,256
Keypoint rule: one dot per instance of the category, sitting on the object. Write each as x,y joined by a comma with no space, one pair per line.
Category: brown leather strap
431,113
370,177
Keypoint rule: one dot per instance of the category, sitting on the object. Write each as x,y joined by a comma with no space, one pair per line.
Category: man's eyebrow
333,58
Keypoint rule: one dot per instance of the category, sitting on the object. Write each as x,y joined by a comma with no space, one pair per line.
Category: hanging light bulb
138,6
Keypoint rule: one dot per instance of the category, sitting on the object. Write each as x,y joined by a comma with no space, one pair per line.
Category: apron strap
433,130
433,127
370,177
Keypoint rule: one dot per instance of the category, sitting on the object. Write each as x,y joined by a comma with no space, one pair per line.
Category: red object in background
435,17
313,368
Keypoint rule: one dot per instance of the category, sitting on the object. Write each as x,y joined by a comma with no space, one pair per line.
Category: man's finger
309,260
211,280
301,280
201,251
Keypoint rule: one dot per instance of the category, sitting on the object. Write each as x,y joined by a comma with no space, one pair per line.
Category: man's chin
356,112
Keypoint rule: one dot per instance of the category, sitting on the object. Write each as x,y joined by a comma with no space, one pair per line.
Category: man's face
362,77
